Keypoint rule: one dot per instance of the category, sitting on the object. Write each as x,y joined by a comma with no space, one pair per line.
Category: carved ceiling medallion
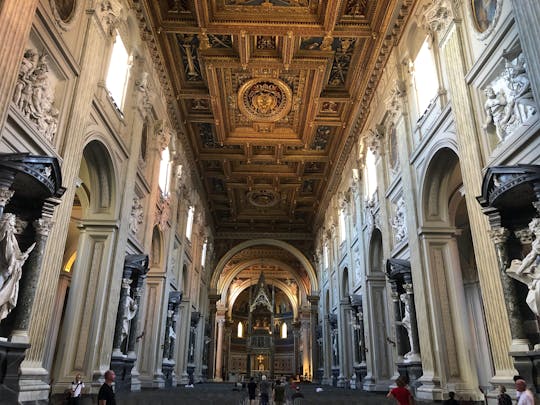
264,99
263,198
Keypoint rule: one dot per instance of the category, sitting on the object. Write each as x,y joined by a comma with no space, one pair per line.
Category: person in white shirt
524,396
76,390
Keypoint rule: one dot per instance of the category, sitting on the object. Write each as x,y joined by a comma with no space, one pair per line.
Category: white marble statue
11,263
525,271
130,310
509,103
496,107
406,323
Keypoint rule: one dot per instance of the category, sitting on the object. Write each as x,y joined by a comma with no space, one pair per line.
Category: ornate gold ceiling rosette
264,99
263,198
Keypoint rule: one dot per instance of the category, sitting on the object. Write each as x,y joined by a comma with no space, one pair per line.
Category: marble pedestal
360,371
411,371
527,364
11,357
168,369
122,367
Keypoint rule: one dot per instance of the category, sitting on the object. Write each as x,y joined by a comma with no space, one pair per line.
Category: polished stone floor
223,394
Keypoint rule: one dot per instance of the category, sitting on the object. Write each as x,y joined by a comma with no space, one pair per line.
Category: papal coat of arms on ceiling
264,99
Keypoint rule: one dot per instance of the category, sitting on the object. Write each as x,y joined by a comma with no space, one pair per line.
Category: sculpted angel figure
11,263
525,271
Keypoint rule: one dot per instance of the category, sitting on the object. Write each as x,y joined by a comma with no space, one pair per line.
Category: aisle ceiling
272,93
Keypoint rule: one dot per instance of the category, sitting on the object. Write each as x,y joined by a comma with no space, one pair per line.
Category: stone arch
314,284
434,208
455,323
225,283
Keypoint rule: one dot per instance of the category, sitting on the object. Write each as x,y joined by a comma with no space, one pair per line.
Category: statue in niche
525,271
406,321
130,310
11,264
335,349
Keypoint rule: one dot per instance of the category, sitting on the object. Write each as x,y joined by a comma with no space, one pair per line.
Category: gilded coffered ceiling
272,94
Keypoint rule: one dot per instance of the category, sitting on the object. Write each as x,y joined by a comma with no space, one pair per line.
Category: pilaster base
342,381
184,379
157,381
33,386
11,357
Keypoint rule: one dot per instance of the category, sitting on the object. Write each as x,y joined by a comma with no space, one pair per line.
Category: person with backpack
503,398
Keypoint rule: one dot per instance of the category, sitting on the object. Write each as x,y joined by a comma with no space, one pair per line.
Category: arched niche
345,283
98,177
157,247
376,252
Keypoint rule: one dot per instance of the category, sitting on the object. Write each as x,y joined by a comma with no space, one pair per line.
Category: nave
223,394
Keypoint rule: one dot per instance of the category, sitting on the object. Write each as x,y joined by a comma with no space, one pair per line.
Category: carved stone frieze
509,99
34,95
375,139
162,134
108,12
398,222
438,15
163,213
136,216
143,95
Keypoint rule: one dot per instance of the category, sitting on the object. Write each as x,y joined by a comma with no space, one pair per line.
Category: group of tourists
524,396
279,391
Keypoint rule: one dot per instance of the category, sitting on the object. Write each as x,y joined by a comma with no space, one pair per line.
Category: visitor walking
400,393
279,393
523,394
106,393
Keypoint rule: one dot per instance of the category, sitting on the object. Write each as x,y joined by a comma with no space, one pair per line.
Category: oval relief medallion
264,100
263,198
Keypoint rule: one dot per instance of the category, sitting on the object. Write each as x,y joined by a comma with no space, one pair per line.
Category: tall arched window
284,330
426,82
342,226
189,223
240,328
203,253
165,172
118,73
370,174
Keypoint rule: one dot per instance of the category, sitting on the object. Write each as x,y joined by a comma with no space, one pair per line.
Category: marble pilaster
219,350
471,169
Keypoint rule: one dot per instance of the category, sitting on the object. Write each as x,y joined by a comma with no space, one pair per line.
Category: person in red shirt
401,394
